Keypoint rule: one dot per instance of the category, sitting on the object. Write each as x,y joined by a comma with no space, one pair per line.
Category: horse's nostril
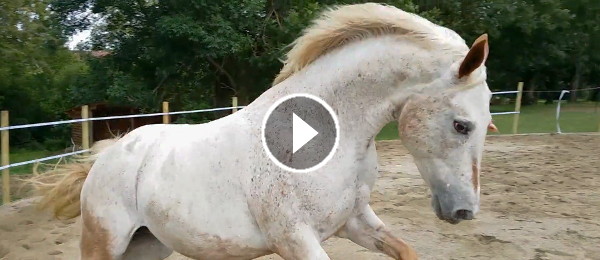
464,214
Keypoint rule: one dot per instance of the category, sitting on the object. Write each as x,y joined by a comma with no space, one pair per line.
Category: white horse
209,191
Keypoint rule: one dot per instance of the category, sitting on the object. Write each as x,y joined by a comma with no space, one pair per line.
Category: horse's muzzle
449,212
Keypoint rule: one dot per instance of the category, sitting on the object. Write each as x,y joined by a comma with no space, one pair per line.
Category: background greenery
198,53
540,118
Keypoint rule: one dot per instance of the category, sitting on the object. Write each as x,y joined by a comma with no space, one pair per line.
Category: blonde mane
340,25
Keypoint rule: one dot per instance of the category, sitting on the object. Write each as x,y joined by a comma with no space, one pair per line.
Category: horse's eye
461,127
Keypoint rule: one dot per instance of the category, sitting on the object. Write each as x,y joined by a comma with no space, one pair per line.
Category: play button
300,132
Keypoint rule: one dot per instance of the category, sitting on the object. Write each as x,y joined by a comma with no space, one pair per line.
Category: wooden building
104,129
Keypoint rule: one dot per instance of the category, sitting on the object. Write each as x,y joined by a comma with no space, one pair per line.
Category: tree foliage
35,68
192,53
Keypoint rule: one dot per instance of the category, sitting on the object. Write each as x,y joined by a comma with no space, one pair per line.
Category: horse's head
444,128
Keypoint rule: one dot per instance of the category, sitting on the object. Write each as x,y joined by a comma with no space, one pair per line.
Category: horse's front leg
298,243
367,230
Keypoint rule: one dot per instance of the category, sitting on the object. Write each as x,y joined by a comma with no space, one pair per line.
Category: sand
540,200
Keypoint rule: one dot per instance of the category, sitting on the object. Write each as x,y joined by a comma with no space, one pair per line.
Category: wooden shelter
108,128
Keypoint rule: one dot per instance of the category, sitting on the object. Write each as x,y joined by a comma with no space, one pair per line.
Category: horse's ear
476,56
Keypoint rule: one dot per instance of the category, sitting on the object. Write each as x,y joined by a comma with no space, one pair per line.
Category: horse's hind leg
144,245
104,235
116,237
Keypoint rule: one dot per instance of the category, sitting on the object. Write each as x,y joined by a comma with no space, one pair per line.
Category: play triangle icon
302,133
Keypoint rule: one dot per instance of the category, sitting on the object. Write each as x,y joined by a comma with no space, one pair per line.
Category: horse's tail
60,187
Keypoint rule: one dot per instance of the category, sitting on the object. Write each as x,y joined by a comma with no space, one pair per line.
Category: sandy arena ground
540,200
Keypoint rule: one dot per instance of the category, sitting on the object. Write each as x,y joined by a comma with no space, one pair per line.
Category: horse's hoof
409,254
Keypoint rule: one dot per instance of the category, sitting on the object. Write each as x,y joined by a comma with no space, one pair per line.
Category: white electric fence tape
562,93
95,119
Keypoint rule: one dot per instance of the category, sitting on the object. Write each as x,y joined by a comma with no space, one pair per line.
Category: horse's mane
340,25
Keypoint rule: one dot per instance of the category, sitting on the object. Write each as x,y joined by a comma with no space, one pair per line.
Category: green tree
192,53
583,38
35,67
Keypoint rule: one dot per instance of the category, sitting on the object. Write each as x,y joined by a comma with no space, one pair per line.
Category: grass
539,118
20,155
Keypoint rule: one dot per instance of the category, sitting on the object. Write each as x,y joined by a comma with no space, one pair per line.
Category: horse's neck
365,82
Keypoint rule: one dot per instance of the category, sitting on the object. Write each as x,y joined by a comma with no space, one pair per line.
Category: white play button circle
300,132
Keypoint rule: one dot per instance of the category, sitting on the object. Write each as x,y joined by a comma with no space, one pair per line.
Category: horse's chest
337,210
326,207
344,198
324,199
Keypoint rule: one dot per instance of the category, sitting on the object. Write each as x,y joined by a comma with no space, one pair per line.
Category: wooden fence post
165,109
5,158
517,108
234,103
85,127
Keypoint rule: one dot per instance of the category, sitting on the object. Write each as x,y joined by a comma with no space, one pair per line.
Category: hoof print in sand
55,252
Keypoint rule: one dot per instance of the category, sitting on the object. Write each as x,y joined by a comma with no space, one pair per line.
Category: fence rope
540,91
201,111
96,119
505,92
42,159
558,110
505,113
12,127
558,91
